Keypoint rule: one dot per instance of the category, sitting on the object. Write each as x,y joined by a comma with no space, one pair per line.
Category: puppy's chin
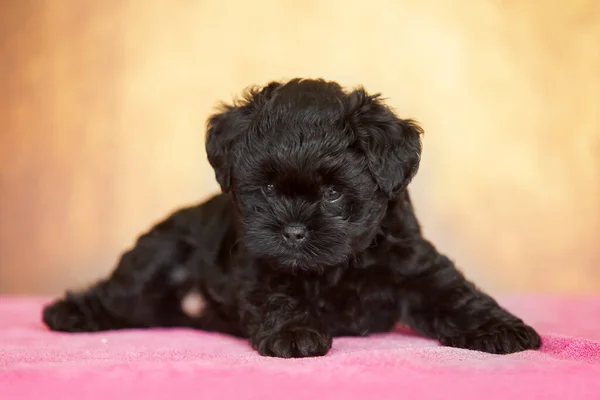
312,256
306,263
293,263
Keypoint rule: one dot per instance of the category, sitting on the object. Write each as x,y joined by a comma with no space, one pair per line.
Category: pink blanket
180,364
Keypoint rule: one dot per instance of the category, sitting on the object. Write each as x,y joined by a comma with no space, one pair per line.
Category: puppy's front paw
65,316
498,337
294,343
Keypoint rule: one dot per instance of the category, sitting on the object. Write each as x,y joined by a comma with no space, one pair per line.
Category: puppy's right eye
269,190
332,195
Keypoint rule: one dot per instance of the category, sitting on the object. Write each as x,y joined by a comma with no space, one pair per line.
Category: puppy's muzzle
294,234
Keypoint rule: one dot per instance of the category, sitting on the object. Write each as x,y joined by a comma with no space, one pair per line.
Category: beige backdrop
103,104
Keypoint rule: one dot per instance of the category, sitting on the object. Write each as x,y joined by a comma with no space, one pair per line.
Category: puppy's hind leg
86,311
139,293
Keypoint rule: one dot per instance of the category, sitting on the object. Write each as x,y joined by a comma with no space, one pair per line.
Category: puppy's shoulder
217,209
214,211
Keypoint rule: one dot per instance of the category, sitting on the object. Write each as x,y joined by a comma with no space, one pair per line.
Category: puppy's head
311,168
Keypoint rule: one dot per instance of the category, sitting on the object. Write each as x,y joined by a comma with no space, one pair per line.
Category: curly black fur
314,236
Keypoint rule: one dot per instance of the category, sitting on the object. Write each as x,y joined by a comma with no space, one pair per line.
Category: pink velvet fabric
180,364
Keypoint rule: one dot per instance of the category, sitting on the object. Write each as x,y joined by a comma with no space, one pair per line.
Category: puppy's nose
295,233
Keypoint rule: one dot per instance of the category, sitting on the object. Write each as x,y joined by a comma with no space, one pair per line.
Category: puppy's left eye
269,190
331,195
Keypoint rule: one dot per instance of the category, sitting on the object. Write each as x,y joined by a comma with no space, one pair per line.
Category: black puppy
313,237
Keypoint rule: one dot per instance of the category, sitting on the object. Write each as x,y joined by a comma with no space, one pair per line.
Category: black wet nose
295,233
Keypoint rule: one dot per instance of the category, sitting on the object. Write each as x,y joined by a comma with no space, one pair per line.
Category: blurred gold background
103,105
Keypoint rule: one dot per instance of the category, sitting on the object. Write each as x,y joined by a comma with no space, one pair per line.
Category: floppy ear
227,126
391,145
223,129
